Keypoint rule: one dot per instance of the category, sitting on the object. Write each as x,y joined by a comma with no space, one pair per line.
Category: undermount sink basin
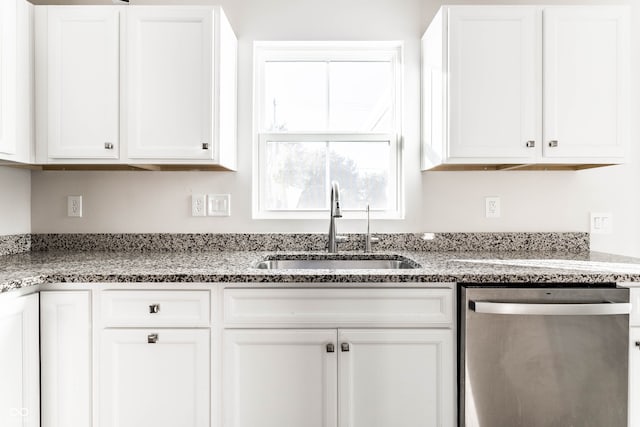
334,262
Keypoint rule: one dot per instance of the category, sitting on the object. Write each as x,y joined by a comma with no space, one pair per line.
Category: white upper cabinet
493,96
136,85
493,75
586,83
169,83
16,83
82,95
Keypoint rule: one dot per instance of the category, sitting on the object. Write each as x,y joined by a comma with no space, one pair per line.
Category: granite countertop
33,268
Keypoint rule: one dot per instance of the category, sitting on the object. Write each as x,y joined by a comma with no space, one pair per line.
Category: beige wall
15,201
435,201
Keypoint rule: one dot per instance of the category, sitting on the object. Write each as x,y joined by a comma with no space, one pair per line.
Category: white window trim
334,51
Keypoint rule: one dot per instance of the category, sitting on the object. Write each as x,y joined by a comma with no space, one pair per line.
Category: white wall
15,201
435,201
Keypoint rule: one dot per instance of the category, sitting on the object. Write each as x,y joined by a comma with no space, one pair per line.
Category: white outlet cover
74,206
492,207
198,205
219,205
601,223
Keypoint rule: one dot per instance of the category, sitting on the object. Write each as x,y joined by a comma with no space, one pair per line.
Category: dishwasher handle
597,309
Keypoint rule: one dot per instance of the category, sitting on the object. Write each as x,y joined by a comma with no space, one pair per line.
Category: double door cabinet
519,86
235,357
135,85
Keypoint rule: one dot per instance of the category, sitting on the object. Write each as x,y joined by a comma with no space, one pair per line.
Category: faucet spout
334,212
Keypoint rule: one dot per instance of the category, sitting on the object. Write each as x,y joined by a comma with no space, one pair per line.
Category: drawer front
634,299
337,307
155,308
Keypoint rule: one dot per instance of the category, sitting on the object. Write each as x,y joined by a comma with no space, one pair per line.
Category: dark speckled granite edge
15,244
575,242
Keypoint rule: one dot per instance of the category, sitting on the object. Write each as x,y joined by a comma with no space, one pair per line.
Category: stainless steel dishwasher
543,357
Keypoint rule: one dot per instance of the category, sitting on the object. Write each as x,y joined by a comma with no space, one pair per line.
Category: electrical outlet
74,206
492,207
601,223
198,205
219,205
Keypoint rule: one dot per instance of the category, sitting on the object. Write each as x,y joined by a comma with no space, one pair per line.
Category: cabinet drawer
634,299
155,308
337,307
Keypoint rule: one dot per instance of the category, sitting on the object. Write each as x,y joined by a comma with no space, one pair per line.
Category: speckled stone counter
34,268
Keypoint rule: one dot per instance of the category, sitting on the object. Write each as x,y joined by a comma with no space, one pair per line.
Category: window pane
362,170
295,96
295,176
360,96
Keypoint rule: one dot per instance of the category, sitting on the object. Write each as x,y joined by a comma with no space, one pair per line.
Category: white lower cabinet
396,378
276,378
634,376
345,377
65,348
154,378
19,362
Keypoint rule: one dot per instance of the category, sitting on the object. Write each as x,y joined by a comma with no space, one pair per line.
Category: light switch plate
601,223
219,205
74,206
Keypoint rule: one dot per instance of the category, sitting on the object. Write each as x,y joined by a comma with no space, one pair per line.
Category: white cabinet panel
395,377
16,82
135,308
493,55
19,362
165,383
170,83
65,325
275,378
586,82
83,82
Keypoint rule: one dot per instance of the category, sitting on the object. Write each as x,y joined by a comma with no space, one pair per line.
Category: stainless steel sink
337,264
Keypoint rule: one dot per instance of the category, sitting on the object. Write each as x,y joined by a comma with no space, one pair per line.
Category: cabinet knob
637,344
152,338
331,348
531,144
553,143
344,346
108,146
205,145
154,308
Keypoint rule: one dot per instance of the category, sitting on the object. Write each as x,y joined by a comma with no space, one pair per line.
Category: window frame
326,51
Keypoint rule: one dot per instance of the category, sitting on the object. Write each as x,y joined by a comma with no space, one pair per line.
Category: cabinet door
169,74
634,376
275,378
586,83
399,378
156,378
82,82
19,362
65,325
493,67
8,15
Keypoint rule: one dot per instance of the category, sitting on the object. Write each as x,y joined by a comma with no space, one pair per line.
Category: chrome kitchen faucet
334,212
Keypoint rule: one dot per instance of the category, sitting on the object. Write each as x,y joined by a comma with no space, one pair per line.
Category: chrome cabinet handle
531,144
205,146
601,309
108,146
553,143
154,308
331,348
152,338
344,346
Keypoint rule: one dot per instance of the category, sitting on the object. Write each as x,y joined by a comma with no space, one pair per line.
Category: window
325,112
